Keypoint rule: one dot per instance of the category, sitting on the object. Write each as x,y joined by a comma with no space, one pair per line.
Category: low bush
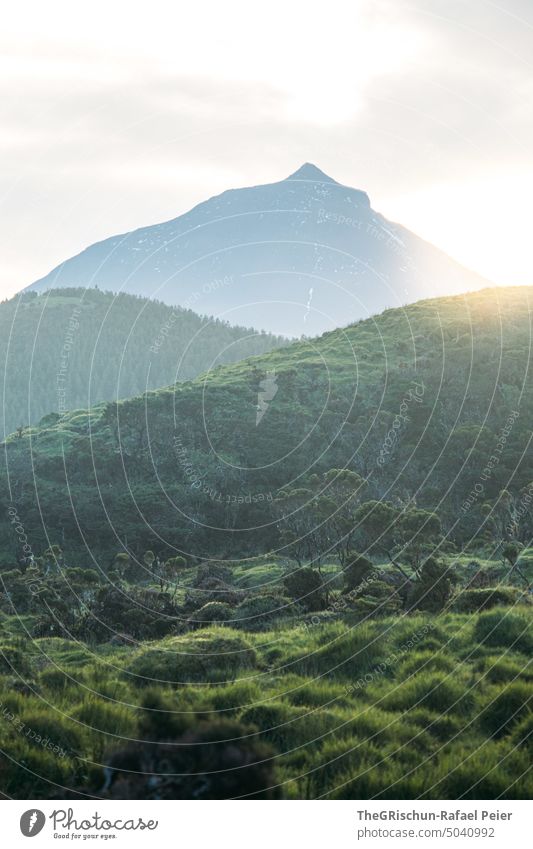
506,707
498,670
42,725
212,612
257,614
505,628
439,692
428,661
206,656
472,600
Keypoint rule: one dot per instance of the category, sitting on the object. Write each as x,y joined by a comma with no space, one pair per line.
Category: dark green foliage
504,628
220,759
434,586
472,600
13,660
109,338
356,692
429,661
424,723
357,572
507,707
218,656
226,485
258,613
213,612
58,730
437,691
500,670
377,598
305,586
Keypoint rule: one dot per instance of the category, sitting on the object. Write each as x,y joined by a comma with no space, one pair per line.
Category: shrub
230,698
443,727
158,716
428,661
305,586
212,612
42,769
378,599
342,654
13,659
104,723
504,629
431,690
220,759
317,694
499,670
207,656
43,724
472,600
433,588
256,614
287,727
511,705
488,773
99,715
56,679
357,572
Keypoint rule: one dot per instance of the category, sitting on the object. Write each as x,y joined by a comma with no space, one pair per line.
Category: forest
70,348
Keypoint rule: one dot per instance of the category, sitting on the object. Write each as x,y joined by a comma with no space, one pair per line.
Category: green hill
385,456
431,404
70,348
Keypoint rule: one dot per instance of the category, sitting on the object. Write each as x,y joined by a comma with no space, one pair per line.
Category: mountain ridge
302,255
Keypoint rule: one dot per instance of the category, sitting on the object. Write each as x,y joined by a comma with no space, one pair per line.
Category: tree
170,571
417,532
376,528
299,524
337,501
320,517
53,558
121,563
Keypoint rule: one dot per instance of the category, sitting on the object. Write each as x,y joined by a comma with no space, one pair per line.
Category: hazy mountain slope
71,348
415,401
300,256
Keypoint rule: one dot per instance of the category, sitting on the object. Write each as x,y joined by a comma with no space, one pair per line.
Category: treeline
69,348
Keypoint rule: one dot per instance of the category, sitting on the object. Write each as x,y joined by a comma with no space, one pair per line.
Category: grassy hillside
421,707
430,405
71,348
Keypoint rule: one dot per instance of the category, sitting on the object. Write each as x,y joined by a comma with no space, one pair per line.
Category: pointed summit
308,171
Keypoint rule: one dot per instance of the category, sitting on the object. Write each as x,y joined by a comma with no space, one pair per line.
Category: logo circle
32,822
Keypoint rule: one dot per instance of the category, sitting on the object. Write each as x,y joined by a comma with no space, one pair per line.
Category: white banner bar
264,824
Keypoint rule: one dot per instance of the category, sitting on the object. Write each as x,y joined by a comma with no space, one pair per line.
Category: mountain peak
308,171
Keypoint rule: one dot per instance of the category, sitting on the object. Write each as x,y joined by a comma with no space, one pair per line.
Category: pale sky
115,115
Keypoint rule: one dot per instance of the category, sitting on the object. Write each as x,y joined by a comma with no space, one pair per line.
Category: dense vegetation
70,348
307,574
429,406
100,681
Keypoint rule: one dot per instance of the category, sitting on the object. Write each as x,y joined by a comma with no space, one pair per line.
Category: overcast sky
119,114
